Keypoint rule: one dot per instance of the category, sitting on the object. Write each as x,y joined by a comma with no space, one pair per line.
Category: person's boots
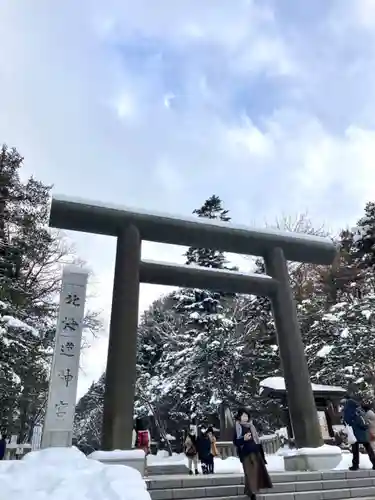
190,472
196,472
354,467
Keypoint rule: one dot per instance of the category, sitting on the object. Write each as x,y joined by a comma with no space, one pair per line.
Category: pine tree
204,365
30,276
364,238
88,418
350,320
208,257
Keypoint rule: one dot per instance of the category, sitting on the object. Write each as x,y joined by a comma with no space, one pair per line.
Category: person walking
370,419
249,451
354,417
191,450
3,445
143,437
213,451
204,449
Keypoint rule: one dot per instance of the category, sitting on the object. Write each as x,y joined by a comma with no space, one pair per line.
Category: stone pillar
58,424
122,349
300,396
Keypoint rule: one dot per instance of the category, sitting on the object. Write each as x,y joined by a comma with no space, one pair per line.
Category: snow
74,269
230,465
329,317
66,474
118,455
275,462
345,333
282,432
260,232
346,461
326,449
367,314
324,351
278,384
256,276
16,323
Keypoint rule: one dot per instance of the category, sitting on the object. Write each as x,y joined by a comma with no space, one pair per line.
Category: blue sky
270,104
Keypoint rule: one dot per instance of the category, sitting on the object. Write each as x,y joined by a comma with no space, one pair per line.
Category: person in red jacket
143,441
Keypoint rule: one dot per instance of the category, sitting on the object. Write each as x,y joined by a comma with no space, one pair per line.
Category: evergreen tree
30,260
88,418
208,257
364,238
350,320
205,364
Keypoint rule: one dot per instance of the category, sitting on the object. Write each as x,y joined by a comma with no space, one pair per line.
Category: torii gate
130,227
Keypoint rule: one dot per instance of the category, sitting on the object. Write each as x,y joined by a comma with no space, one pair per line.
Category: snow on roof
74,269
209,269
278,384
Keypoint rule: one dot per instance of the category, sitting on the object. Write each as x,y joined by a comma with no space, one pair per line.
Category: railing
270,444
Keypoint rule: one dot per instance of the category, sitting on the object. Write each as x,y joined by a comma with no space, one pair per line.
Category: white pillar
58,422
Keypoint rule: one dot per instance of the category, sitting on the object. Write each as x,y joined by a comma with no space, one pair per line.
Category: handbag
350,433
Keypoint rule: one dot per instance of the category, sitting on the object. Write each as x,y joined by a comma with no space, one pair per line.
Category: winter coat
203,447
245,448
214,450
3,447
355,417
190,446
370,419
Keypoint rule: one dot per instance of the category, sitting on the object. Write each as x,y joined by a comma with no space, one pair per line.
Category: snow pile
326,449
66,474
346,461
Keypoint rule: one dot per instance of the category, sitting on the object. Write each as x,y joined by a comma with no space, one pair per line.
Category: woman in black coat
3,446
251,454
204,449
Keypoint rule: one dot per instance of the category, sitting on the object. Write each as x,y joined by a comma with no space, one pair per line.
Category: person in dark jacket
251,454
3,446
355,417
204,449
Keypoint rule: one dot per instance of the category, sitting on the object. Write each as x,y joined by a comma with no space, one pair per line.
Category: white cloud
161,105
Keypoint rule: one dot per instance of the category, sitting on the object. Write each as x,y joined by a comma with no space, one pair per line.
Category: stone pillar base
309,459
136,459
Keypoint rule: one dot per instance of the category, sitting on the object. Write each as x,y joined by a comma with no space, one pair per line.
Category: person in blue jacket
355,417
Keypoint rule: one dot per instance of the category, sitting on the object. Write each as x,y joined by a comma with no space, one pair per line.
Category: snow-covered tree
89,416
349,323
204,366
364,238
30,275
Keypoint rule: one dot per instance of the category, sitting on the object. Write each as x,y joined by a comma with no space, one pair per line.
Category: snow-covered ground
232,465
66,474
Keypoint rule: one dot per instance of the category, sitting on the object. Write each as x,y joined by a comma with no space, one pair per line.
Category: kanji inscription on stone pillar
58,424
